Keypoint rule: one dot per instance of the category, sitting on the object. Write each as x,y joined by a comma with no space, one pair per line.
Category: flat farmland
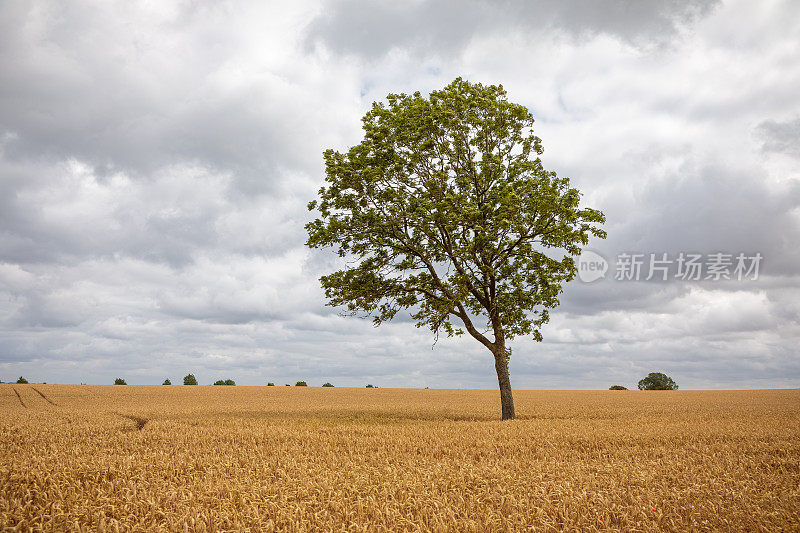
204,458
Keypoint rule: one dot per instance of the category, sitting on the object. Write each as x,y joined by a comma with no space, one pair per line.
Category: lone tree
446,210
189,379
657,381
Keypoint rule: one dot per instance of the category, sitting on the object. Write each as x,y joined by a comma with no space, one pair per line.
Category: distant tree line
190,379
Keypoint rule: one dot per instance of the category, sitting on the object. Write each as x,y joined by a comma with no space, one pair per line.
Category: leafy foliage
119,381
189,379
301,384
445,208
22,380
270,384
328,384
167,382
657,381
370,386
617,387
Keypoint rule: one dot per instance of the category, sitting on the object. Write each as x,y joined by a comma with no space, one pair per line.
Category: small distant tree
22,380
301,384
270,384
657,381
370,387
328,384
167,382
190,380
119,381
617,387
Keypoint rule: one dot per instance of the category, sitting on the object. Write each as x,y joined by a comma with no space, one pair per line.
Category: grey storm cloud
781,137
156,161
135,91
718,209
371,29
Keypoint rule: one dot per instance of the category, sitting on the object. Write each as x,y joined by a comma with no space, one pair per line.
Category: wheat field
203,458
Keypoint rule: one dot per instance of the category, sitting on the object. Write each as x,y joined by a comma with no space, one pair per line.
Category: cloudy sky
156,159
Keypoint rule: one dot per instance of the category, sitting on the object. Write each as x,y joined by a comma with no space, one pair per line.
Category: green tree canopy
445,209
119,381
22,380
657,381
189,379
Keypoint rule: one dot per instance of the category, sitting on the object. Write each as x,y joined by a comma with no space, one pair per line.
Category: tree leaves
445,209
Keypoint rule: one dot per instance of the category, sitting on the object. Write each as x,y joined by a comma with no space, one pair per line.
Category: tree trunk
506,398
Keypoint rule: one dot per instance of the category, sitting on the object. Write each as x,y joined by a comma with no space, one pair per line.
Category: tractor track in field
40,393
138,420
19,398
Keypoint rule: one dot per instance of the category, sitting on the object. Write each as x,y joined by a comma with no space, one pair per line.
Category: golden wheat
109,458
